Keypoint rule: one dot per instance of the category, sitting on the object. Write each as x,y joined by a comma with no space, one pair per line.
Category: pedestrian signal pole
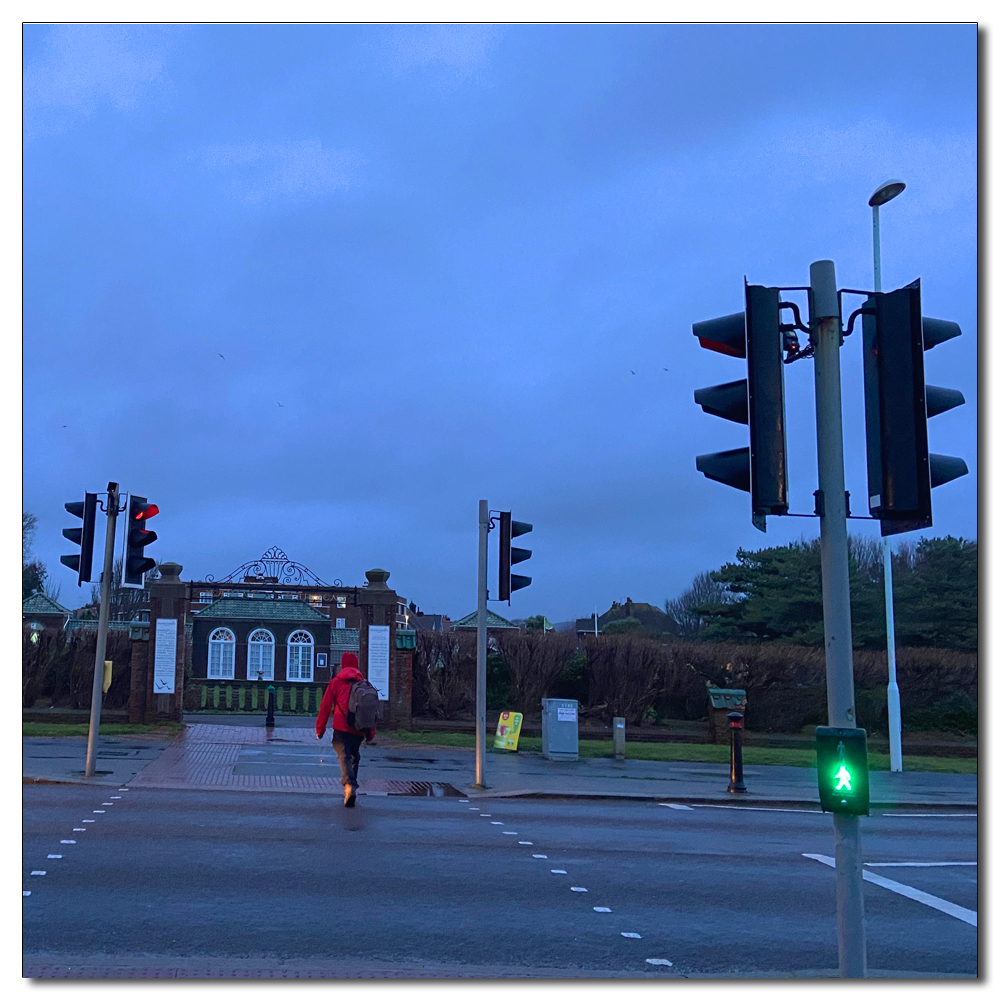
484,536
831,503
102,630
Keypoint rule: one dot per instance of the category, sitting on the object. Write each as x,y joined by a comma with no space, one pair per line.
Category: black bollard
270,707
735,754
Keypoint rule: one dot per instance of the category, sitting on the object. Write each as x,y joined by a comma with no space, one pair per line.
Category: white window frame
222,655
205,597
266,648
341,623
341,601
299,657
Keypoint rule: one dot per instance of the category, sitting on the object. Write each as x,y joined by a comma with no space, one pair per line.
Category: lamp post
884,193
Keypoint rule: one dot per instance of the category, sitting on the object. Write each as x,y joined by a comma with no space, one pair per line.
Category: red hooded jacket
336,697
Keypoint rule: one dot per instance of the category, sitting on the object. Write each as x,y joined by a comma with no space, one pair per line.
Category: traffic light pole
484,535
826,340
102,629
892,691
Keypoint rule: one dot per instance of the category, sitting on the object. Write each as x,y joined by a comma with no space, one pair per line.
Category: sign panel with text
165,660
378,659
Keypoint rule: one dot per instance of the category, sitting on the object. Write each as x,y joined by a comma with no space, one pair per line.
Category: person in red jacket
346,739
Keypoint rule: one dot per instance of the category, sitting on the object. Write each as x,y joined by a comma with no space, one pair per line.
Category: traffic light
83,536
136,539
758,335
842,770
901,470
509,555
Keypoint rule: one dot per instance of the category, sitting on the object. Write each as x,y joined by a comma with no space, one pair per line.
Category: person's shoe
350,794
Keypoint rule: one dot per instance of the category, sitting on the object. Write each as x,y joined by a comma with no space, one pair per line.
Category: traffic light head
137,537
901,470
842,770
758,400
510,555
83,561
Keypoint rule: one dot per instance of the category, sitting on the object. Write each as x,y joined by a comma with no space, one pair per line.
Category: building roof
90,625
493,620
39,604
345,638
247,607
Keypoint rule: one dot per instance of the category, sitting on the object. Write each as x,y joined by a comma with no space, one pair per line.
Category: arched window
221,654
260,656
300,656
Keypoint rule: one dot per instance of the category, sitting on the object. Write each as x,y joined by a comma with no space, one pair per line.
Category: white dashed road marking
952,909
631,934
510,833
25,892
496,822
88,820
558,871
116,796
577,888
67,841
675,805
38,873
107,803
659,961
540,856
526,843
98,811
51,856
486,815
602,909
917,864
463,800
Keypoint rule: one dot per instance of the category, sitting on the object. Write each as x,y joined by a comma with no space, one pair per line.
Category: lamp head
886,192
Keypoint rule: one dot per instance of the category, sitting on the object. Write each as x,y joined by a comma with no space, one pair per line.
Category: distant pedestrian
354,703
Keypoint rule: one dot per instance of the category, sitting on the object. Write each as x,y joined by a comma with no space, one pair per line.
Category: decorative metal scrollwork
274,567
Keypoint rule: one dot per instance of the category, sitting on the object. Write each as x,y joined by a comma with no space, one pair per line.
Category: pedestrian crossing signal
842,770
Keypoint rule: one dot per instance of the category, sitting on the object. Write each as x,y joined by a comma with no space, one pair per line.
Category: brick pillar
377,606
139,681
168,598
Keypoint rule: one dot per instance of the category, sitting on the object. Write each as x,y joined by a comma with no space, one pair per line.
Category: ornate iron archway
274,567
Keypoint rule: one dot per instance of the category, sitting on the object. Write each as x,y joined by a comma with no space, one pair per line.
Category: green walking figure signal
842,770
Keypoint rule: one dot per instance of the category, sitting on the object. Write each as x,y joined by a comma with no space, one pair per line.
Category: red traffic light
142,512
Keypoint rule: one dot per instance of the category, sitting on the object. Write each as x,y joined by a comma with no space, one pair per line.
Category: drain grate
426,789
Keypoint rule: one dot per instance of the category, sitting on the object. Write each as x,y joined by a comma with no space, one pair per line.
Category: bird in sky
222,356
631,371
666,369
281,404
64,425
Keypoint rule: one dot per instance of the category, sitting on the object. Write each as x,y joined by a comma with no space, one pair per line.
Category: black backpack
362,705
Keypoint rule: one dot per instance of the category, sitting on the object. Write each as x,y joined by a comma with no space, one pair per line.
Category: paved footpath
290,759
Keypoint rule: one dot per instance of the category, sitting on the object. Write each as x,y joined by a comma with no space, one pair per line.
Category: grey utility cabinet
560,729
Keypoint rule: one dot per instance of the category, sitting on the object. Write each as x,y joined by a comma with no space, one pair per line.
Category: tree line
775,595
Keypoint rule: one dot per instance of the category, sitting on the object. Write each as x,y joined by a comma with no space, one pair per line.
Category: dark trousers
348,747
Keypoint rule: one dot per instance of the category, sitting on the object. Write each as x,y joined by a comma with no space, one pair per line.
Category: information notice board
165,660
378,659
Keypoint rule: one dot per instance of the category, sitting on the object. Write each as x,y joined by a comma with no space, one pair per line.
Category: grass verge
108,729
706,753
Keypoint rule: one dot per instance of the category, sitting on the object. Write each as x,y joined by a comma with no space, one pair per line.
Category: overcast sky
444,251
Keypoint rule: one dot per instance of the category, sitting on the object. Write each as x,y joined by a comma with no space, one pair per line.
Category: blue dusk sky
326,287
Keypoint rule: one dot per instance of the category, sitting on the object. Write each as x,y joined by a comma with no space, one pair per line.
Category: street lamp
884,193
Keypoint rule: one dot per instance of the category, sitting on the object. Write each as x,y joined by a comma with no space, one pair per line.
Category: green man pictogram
843,776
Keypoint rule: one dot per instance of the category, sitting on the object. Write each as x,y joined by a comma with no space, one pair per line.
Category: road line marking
51,856
463,800
602,909
496,822
122,789
486,815
81,829
67,841
473,808
116,796
526,843
25,892
767,809
98,811
38,873
659,961
540,856
631,934
974,815
558,871
107,803
577,888
509,833
88,820
674,805
952,909
916,864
